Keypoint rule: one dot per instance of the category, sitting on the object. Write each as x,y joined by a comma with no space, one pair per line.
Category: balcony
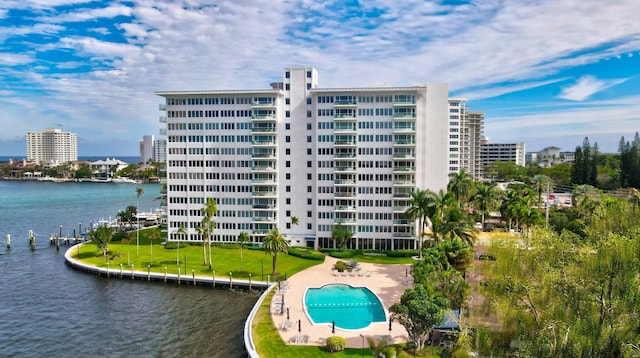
263,219
163,131
404,169
162,119
344,182
263,116
263,207
344,208
401,196
404,142
263,102
344,142
339,155
344,194
263,155
269,143
343,221
162,107
344,169
263,194
263,129
404,155
404,129
404,183
403,102
400,209
403,222
263,168
344,128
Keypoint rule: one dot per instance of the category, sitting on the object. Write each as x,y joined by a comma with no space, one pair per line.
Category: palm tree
207,225
242,238
181,231
139,191
273,244
422,207
484,199
461,185
541,182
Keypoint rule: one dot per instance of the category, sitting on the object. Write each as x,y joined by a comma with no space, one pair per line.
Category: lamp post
362,351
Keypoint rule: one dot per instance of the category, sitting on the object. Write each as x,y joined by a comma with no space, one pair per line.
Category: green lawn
225,259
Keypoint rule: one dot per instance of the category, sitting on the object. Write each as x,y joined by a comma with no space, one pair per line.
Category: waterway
48,309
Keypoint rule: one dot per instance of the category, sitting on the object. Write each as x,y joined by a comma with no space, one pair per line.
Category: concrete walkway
388,282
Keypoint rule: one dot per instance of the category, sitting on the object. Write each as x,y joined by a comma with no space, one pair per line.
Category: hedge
306,254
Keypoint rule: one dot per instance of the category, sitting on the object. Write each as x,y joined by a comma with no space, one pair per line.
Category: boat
101,180
123,180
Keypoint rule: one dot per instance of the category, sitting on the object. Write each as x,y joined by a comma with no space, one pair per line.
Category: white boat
101,180
121,180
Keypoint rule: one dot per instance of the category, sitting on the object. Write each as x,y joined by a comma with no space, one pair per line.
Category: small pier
57,240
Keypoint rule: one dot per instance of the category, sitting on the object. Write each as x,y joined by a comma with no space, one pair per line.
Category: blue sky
544,72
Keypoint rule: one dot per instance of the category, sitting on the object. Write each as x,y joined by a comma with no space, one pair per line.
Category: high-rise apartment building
152,149
471,130
325,156
52,147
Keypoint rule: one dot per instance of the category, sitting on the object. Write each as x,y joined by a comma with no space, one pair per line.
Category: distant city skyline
547,73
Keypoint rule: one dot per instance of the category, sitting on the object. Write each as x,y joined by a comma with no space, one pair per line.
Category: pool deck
388,282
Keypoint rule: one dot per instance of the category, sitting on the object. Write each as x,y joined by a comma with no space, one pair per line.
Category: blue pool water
350,307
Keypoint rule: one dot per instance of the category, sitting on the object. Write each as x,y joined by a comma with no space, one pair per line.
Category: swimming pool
350,307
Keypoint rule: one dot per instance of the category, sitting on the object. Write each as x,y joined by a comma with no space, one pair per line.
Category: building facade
303,159
500,152
153,149
549,157
52,147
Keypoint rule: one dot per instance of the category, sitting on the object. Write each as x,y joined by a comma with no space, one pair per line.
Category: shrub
172,245
340,266
346,254
336,344
306,253
401,253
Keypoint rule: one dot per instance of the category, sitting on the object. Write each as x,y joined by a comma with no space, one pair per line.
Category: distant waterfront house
107,168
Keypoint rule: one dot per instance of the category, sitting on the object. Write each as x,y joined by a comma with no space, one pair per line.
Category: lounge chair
369,273
286,325
336,273
305,339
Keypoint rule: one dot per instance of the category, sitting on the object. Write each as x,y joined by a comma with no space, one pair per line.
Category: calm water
48,309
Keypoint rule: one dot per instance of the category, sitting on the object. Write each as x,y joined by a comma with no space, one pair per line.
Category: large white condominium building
52,147
304,159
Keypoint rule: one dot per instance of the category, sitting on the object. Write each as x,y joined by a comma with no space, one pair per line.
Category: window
287,114
309,226
308,74
309,151
308,114
309,126
287,139
309,175
287,164
309,139
287,101
288,176
309,164
287,87
309,188
287,126
287,188
309,100
287,74
309,201
308,85
287,151
309,213
288,213
288,225
287,201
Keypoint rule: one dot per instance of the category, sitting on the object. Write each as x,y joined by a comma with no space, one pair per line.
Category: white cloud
483,49
586,86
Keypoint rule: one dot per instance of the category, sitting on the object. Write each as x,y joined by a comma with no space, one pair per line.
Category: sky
545,72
